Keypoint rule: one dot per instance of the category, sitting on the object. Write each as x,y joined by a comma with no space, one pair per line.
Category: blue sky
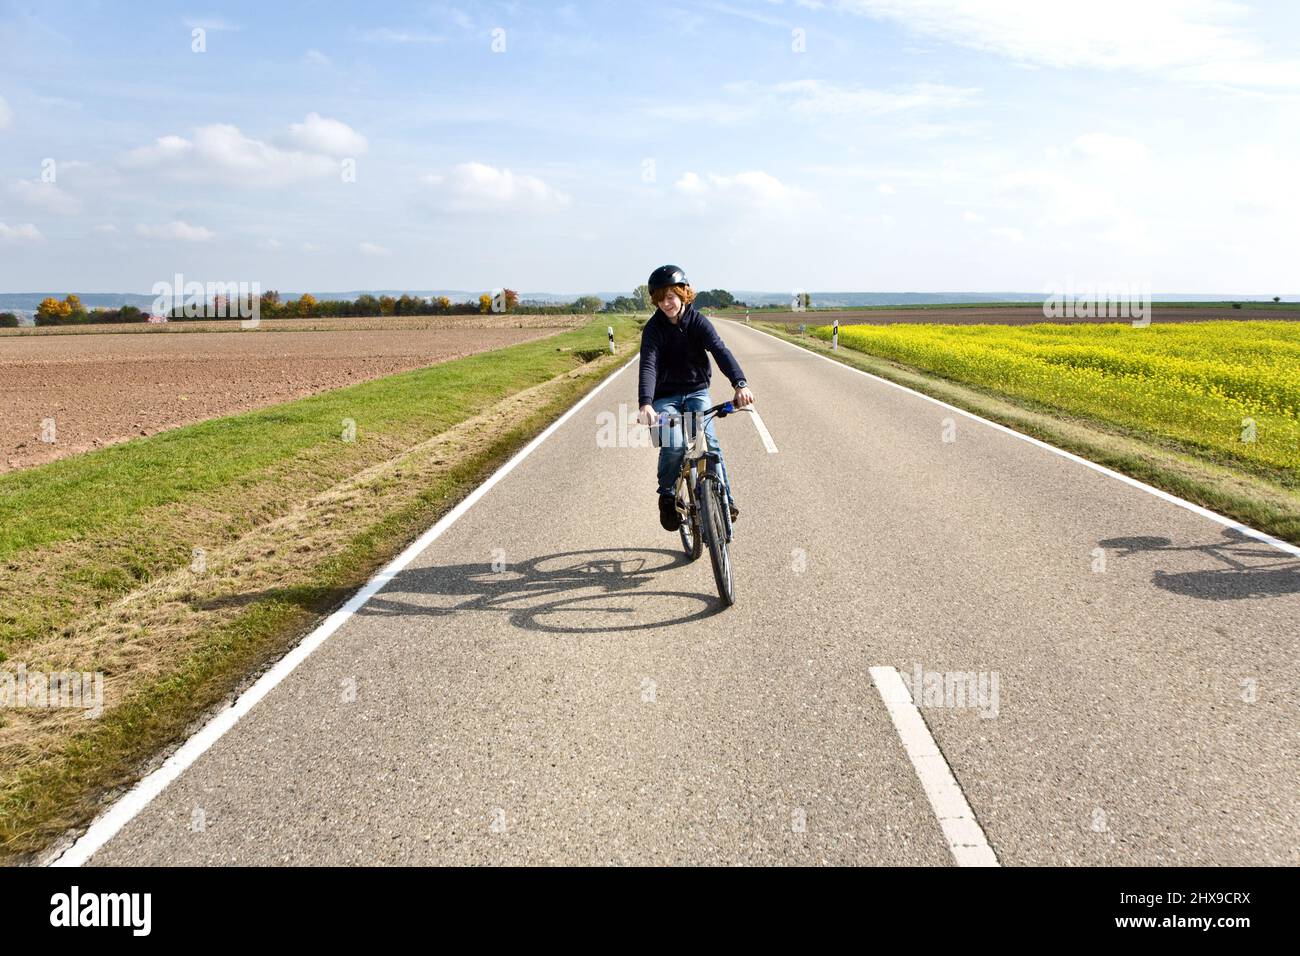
875,145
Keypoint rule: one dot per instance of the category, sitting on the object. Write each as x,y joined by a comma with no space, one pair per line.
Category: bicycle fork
711,471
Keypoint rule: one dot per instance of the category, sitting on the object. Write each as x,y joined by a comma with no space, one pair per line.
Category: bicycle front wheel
692,540
713,525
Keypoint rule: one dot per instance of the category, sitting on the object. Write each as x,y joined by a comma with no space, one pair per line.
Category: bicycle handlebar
721,411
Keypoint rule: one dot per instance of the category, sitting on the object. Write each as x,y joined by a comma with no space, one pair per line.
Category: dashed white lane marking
1284,546
109,823
763,433
963,833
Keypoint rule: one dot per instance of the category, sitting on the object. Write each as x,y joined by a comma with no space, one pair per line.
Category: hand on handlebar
743,397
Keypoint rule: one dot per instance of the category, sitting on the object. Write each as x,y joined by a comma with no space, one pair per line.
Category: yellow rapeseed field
1229,388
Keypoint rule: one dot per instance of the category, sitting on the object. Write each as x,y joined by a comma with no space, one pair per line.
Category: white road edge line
1284,546
763,433
108,823
962,832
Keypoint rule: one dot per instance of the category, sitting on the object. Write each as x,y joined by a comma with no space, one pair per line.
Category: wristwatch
742,384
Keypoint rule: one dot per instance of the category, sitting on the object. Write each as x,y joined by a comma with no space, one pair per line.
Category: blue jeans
673,442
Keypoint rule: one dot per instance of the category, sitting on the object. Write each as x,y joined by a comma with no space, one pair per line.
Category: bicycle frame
699,462
700,496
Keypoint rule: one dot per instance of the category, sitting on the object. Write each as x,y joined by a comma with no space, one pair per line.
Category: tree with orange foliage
52,312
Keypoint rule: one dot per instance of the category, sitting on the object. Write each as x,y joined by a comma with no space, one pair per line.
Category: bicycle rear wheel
713,525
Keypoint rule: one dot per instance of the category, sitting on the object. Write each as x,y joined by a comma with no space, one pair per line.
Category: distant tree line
308,306
717,299
639,301
70,311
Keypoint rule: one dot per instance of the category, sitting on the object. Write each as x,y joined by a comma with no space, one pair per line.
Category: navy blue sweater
675,357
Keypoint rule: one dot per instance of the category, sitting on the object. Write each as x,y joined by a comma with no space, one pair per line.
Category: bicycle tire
692,541
689,529
714,528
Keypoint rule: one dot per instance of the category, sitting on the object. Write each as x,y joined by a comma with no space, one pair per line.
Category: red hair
684,292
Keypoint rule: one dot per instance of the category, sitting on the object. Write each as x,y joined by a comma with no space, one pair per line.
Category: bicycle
702,499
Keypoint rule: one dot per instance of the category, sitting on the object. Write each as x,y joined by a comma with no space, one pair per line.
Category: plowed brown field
108,387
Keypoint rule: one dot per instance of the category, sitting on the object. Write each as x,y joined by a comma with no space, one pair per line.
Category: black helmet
665,276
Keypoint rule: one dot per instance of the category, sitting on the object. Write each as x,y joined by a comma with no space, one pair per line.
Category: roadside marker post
610,330
835,336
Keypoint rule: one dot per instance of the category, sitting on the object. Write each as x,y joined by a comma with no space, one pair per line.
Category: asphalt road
591,702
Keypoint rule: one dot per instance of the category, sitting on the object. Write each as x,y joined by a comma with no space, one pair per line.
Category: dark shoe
668,515
735,512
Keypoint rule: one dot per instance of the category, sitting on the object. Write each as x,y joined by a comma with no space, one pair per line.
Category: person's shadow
543,593
1236,578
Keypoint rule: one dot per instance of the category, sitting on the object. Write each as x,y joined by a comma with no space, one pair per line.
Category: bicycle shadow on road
1238,577
542,593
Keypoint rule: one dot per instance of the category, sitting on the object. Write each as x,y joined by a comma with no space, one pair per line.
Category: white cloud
317,134
220,152
213,24
480,186
886,190
27,232
1253,72
310,248
817,97
1100,188
1197,40
812,98
165,149
270,245
969,216
316,58
1260,181
751,188
107,229
1009,233
176,230
717,112
692,184
910,173
1108,147
930,131
386,35
460,18
371,249
1099,179
747,14
45,196
6,114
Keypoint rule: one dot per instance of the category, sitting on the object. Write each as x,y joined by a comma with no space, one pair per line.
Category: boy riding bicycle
674,379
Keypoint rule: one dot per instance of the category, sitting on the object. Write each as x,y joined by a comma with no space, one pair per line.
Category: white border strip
962,832
107,825
763,433
1284,546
